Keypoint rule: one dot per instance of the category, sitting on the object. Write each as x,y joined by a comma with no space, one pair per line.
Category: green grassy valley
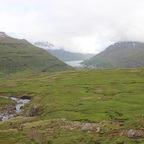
72,72
75,107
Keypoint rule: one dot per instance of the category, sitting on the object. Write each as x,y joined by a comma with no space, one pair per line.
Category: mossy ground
90,96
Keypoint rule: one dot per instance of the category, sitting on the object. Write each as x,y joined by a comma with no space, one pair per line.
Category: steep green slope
119,55
20,55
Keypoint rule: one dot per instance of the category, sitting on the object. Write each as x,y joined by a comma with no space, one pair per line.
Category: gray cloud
77,25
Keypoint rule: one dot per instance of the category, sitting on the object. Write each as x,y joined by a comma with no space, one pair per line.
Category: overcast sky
78,25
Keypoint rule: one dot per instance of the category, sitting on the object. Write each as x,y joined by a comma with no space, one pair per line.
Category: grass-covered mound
84,107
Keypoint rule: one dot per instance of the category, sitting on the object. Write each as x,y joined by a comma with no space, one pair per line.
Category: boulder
135,134
87,127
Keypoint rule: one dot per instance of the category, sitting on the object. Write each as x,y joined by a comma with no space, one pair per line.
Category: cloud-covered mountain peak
3,34
45,45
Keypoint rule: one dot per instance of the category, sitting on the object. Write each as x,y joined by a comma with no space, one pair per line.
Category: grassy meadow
61,103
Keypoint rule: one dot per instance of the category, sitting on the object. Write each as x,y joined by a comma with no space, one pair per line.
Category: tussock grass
114,96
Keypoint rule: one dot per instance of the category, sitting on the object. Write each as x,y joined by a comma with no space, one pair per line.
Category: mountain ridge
126,54
21,55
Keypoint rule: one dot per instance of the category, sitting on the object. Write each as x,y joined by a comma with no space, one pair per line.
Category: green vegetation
19,55
4,102
119,55
62,103
99,63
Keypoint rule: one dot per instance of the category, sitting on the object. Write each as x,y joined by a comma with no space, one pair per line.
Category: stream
9,113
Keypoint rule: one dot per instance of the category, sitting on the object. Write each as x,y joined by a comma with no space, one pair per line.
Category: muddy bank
12,110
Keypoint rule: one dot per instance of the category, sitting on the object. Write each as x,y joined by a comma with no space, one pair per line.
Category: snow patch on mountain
2,34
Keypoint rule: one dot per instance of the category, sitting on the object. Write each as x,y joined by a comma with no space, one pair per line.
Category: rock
97,129
4,118
135,134
102,122
26,97
16,114
33,110
63,123
22,126
76,124
11,123
63,119
11,112
21,107
71,129
1,118
87,127
131,133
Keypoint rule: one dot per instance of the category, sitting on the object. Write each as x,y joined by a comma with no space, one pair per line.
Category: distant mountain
69,56
127,54
62,54
20,55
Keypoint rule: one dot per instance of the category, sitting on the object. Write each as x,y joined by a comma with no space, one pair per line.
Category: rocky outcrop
91,127
135,134
76,125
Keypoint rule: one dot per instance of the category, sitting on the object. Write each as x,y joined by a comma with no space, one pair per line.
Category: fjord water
74,63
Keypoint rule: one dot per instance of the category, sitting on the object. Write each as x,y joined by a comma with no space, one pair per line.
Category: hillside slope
20,55
119,55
